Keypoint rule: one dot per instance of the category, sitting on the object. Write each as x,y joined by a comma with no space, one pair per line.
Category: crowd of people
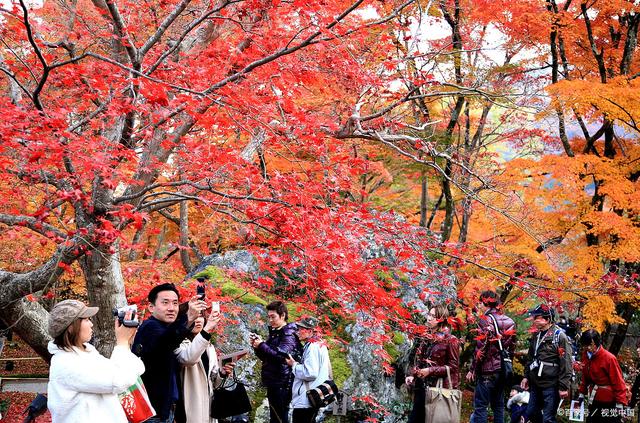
549,369
172,353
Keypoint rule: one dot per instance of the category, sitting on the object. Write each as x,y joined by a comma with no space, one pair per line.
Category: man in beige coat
200,371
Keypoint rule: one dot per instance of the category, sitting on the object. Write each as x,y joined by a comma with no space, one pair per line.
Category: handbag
506,365
136,404
442,405
230,399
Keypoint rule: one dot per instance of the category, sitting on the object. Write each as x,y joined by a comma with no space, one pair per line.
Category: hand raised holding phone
212,321
201,287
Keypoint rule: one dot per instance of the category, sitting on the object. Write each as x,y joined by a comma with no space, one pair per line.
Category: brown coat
443,351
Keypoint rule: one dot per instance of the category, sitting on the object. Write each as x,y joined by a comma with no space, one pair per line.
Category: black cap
542,310
307,322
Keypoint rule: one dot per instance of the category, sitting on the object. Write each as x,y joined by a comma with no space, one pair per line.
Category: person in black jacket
276,374
549,366
155,342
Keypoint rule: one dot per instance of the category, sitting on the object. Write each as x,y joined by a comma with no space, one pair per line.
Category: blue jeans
489,391
543,400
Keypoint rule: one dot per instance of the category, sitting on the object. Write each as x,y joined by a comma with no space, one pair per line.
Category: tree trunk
466,218
105,289
449,206
424,199
29,320
625,311
184,237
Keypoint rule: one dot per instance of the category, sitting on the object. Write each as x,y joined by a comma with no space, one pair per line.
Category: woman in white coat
200,371
84,385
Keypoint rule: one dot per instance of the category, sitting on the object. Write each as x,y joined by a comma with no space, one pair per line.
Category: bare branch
32,223
121,31
186,32
163,27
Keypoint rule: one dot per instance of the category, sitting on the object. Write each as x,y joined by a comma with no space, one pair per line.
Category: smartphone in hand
215,307
200,288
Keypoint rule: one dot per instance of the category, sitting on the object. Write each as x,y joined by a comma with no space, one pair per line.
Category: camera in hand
121,313
284,354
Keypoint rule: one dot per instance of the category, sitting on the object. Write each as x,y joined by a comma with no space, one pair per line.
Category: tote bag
136,404
442,405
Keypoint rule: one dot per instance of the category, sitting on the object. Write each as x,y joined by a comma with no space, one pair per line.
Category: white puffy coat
313,370
84,385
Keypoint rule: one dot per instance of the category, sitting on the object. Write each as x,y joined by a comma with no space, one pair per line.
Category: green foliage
257,399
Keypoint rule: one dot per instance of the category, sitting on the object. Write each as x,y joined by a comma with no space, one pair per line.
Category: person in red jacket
602,383
496,330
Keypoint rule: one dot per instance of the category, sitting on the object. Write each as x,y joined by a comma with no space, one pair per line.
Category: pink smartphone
215,307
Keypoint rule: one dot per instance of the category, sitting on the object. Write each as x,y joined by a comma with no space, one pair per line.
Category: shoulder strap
330,365
439,381
498,333
556,336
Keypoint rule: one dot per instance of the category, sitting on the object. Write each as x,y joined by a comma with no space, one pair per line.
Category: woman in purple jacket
276,374
433,355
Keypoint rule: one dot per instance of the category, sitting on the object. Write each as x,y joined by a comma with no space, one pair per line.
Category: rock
239,261
367,375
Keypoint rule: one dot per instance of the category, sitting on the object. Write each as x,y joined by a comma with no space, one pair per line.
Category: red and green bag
135,403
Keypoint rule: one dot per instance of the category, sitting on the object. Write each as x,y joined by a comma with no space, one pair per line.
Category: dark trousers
543,404
489,392
602,412
169,419
304,415
279,400
417,414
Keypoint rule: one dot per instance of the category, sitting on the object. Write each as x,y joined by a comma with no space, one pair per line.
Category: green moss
403,277
213,273
392,350
339,364
398,338
228,287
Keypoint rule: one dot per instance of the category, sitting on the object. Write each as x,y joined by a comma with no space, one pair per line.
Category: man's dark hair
279,307
489,298
153,294
590,336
